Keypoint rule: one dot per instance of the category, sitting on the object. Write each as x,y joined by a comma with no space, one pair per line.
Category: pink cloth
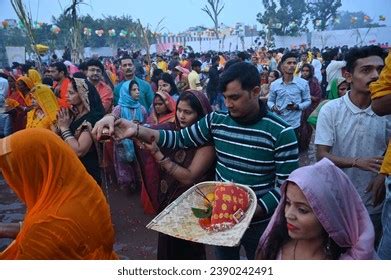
337,206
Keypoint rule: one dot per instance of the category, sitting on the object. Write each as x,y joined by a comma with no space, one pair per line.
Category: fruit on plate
205,223
209,199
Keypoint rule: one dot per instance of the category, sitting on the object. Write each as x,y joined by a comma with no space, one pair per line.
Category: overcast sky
178,14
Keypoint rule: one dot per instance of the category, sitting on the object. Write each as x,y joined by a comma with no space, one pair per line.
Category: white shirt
334,71
317,69
3,90
353,132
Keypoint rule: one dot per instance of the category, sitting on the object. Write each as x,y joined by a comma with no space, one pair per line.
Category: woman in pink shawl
320,216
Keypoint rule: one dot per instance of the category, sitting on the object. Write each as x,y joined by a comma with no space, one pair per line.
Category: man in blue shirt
146,92
289,95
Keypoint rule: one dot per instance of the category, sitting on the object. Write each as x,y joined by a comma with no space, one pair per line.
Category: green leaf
202,213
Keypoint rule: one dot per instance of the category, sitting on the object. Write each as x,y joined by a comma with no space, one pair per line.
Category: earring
328,246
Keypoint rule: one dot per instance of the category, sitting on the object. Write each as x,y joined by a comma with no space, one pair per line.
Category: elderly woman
320,216
67,214
75,124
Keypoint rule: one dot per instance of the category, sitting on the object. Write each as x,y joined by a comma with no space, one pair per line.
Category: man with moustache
59,73
146,92
254,147
351,135
95,71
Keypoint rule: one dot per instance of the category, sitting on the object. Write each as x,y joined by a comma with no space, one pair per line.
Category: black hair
95,62
309,66
47,81
196,63
79,75
242,56
191,55
230,63
245,73
355,54
125,57
193,102
288,55
169,79
215,59
61,67
156,75
132,82
83,66
276,73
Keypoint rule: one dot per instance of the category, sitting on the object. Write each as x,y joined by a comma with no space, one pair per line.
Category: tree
322,12
213,12
25,17
76,44
288,18
353,20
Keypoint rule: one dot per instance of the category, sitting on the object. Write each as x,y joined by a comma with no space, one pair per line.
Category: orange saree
67,214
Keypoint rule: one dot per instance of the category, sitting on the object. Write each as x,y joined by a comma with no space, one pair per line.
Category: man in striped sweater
254,147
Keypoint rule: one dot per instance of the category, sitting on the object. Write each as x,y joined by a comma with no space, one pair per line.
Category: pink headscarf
337,205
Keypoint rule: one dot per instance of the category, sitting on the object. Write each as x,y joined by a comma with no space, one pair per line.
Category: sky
177,15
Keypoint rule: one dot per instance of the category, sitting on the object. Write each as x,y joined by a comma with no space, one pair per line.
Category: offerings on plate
224,208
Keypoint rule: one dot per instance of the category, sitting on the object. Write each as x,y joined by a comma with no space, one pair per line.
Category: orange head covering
169,117
34,76
67,214
29,83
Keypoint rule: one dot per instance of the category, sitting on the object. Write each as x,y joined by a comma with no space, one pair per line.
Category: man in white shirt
334,69
351,135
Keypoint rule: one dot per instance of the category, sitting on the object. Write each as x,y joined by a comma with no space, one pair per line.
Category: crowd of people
158,126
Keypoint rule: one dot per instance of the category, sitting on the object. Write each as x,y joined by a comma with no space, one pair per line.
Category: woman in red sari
175,171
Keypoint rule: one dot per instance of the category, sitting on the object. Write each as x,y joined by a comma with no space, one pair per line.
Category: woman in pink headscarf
320,216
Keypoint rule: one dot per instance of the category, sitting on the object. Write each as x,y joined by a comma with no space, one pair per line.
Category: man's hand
378,189
276,110
106,122
124,129
292,107
369,164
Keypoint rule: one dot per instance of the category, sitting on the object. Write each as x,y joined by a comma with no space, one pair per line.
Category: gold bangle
20,226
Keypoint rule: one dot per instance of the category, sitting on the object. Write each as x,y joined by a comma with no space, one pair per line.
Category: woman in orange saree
67,214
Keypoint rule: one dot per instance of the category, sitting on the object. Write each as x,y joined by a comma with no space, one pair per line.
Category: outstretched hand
124,129
106,123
